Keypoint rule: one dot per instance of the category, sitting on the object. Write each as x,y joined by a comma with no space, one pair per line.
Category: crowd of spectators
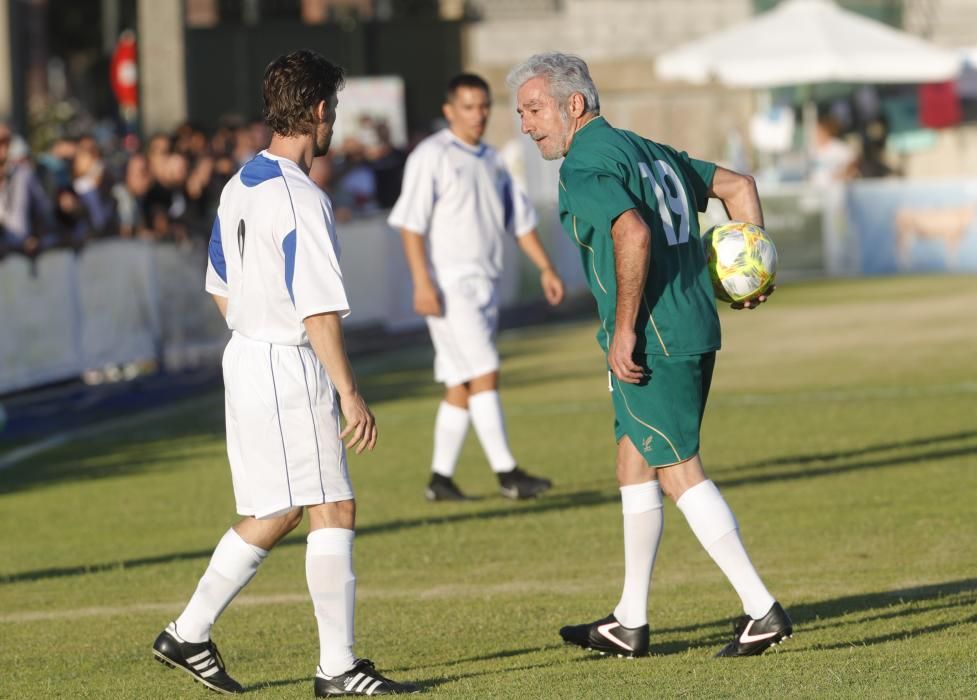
165,188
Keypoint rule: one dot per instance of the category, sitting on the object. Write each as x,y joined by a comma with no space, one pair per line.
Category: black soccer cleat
202,661
517,484
442,488
753,637
362,679
608,636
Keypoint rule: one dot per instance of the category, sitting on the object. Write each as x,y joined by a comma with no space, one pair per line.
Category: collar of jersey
478,150
597,127
278,159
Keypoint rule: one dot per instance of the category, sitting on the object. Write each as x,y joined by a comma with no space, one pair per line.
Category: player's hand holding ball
361,426
742,263
756,301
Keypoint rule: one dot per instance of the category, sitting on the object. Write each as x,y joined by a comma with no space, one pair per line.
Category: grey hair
565,74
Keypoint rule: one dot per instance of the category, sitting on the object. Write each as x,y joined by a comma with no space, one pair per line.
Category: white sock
450,428
643,524
715,526
232,565
332,585
485,409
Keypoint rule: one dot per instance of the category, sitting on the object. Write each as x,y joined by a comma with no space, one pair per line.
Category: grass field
842,429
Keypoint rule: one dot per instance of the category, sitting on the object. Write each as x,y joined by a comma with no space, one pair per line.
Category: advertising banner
905,226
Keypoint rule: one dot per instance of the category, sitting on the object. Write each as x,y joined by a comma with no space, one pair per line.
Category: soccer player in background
629,204
274,273
459,196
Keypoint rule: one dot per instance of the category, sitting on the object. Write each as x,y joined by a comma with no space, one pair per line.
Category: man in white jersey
274,273
458,196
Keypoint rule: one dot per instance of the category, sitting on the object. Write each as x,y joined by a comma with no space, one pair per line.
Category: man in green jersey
630,205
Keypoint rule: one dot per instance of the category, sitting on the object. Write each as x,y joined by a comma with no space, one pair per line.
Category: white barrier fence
122,301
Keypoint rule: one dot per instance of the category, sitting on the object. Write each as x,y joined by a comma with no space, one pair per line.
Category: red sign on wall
124,72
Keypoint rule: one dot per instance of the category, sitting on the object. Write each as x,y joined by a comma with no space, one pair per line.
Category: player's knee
671,490
457,395
291,520
631,470
346,513
338,514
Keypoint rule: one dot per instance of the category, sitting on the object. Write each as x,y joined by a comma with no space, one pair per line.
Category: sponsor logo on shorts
646,444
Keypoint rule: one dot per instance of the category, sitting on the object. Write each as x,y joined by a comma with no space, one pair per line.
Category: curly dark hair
293,85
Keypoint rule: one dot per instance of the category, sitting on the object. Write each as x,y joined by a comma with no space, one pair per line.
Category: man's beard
553,152
321,146
559,151
551,155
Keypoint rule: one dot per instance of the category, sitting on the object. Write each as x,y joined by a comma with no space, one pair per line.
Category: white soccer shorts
464,337
282,429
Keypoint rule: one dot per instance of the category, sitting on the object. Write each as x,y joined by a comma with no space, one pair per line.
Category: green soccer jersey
609,171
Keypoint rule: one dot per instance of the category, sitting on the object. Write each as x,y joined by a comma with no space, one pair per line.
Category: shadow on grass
576,499
870,449
429,684
579,499
492,656
67,467
425,684
934,448
895,636
895,604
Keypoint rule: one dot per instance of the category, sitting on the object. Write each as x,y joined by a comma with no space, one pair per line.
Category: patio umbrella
801,42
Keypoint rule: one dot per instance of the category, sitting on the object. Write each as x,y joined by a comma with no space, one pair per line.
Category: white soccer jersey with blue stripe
274,252
462,198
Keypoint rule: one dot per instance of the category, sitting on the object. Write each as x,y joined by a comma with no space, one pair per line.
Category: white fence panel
38,320
119,303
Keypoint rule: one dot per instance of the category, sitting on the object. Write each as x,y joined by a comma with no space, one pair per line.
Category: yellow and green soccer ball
742,261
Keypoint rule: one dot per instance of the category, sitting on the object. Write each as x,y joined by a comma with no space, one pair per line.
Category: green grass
842,429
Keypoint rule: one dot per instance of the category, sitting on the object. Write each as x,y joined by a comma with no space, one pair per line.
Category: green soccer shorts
662,415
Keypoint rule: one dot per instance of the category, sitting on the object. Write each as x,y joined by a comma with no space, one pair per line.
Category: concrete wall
6,59
162,69
619,39
953,155
951,23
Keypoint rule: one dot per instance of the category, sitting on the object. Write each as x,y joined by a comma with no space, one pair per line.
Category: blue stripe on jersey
260,169
471,150
216,250
288,247
507,203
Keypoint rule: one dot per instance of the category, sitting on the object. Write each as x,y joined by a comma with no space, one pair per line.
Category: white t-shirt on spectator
465,200
274,252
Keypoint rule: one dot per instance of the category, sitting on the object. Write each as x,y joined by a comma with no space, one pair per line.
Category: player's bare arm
549,278
427,298
221,304
740,198
325,333
632,251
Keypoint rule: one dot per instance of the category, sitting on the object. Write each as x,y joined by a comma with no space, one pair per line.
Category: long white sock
486,413
450,428
643,525
232,565
332,585
715,526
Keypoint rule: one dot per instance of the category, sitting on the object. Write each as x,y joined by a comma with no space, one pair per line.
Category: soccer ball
742,261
